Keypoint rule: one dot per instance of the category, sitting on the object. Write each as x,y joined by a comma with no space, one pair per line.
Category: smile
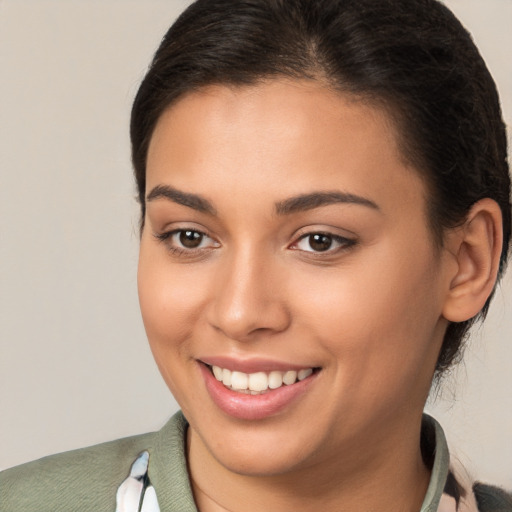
260,392
259,382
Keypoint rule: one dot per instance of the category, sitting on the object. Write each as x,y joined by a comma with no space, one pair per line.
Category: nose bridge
246,299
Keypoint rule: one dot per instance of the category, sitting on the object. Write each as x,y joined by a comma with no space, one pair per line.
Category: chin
261,449
260,462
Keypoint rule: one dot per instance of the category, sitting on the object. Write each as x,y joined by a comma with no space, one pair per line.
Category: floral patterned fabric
136,494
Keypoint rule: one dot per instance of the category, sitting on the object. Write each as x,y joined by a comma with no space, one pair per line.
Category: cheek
168,296
170,301
371,318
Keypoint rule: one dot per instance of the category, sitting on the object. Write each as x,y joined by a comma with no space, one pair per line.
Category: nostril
246,322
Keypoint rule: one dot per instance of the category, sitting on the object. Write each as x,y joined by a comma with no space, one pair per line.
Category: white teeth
275,380
226,377
217,372
290,377
304,373
239,380
260,382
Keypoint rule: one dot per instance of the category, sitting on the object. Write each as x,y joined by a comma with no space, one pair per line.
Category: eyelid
166,237
162,231
344,242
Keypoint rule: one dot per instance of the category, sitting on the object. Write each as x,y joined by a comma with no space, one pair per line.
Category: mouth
260,382
259,394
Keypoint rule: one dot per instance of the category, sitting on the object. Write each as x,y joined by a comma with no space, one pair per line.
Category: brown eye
186,243
190,239
323,242
320,242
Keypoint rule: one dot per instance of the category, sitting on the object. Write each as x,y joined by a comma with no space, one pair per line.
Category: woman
325,211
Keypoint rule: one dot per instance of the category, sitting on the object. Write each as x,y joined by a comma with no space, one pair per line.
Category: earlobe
477,249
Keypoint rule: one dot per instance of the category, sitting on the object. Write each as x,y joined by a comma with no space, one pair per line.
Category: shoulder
84,479
492,499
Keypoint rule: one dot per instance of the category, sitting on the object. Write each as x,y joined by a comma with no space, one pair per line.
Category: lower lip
253,407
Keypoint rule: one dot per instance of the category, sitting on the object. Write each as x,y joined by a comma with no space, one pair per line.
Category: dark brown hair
413,57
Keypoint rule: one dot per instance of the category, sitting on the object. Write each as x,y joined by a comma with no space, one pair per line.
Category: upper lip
252,365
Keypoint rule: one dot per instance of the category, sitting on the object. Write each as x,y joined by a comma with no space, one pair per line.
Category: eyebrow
193,201
291,205
306,202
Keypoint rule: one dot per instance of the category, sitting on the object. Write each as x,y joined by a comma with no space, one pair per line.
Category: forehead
280,135
273,108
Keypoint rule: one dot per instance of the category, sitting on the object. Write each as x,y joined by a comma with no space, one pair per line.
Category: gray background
75,368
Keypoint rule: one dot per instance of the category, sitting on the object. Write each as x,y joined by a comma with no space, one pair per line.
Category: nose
248,300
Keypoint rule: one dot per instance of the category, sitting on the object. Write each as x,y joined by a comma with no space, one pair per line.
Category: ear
476,247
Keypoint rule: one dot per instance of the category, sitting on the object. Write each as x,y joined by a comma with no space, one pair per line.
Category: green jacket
88,479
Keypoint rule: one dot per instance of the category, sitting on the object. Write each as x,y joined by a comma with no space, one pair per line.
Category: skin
370,312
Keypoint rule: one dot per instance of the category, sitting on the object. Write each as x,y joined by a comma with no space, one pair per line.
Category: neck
387,475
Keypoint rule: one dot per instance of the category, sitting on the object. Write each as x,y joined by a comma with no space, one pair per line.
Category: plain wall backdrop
75,367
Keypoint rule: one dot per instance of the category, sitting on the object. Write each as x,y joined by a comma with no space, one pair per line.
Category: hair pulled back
412,57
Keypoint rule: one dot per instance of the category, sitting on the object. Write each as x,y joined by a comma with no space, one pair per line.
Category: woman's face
284,232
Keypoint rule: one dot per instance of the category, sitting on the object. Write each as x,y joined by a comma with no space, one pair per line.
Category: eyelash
343,243
183,251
